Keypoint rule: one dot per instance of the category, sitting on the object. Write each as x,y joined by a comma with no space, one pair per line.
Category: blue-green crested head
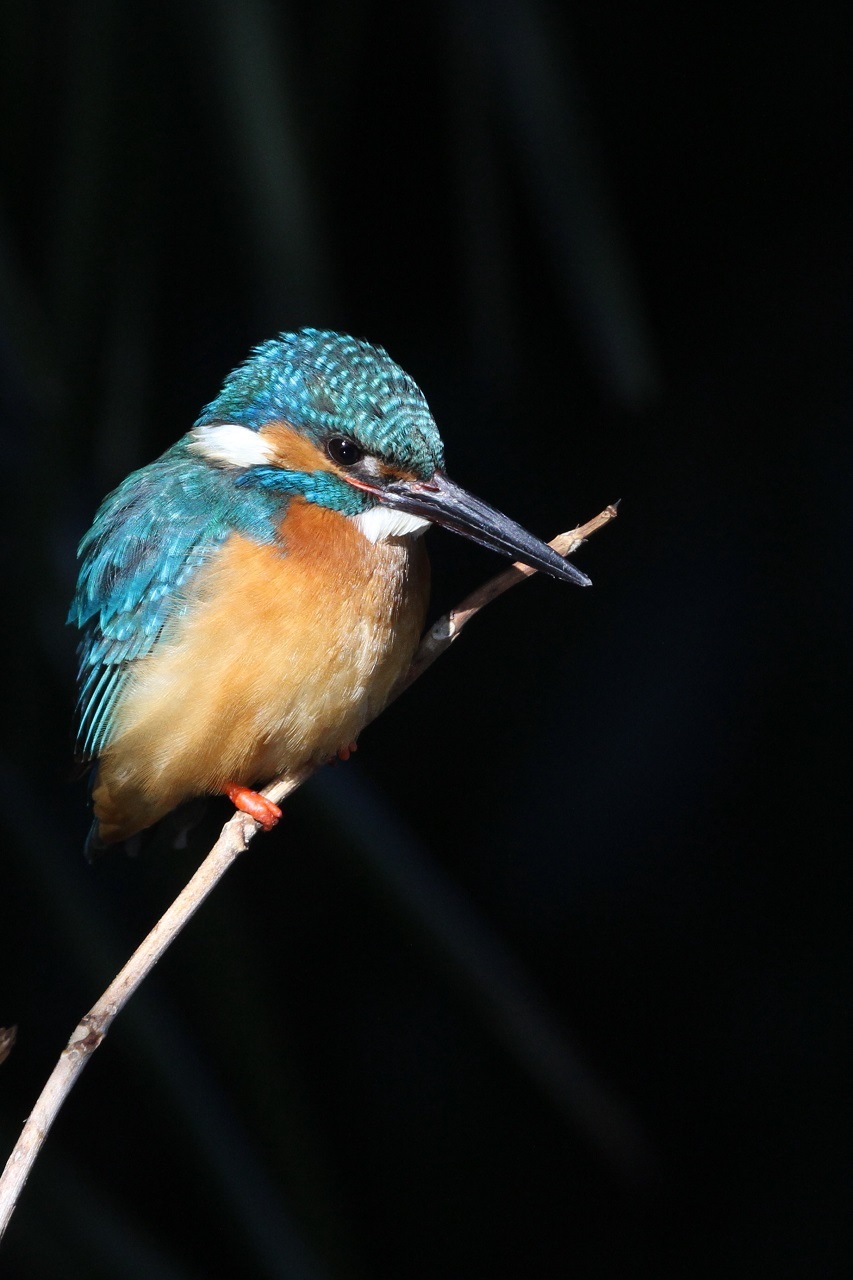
328,384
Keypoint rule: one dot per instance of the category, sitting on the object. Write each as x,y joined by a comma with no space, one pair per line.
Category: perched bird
248,601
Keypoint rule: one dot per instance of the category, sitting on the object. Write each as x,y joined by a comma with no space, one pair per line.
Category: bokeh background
553,978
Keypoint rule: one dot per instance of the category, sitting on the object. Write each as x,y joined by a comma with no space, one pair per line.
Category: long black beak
443,502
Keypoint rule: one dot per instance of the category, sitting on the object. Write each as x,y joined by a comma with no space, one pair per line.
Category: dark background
553,978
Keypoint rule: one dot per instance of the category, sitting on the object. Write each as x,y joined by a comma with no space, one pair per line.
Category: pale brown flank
280,657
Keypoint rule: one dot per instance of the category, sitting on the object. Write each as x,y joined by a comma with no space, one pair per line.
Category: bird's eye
343,451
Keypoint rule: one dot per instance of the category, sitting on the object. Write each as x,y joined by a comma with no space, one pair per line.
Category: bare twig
7,1041
234,840
442,633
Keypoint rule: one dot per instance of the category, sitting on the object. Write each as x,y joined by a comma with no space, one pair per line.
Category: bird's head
334,420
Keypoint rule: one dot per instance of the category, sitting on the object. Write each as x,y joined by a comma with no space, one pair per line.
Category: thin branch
235,838
442,634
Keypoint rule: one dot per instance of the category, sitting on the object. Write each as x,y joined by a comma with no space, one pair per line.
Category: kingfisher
248,602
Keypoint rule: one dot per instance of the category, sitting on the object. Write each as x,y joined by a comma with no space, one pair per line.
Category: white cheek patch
233,446
380,523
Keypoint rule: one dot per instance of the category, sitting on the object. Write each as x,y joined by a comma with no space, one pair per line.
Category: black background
553,979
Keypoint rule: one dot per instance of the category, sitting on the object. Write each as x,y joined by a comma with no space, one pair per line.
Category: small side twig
7,1041
235,838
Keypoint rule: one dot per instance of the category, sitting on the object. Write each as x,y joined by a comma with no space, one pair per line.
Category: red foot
256,805
345,752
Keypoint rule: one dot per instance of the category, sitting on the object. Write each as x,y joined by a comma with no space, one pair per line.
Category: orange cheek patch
293,451
394,473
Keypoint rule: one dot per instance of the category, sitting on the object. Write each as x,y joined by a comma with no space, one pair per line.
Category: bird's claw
253,803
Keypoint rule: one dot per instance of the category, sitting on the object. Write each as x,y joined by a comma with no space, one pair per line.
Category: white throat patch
380,523
230,444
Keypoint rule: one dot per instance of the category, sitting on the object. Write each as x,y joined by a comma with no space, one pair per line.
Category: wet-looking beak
444,503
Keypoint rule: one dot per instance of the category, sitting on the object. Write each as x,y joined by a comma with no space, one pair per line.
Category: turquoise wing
147,540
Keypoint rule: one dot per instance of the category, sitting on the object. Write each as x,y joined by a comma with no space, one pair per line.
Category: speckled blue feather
148,538
328,383
163,522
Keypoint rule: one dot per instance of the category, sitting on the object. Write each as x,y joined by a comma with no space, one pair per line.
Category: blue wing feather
147,540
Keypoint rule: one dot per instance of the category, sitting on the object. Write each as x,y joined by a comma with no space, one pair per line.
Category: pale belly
278,660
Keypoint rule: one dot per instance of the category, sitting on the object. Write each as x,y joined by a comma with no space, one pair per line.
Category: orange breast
278,659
